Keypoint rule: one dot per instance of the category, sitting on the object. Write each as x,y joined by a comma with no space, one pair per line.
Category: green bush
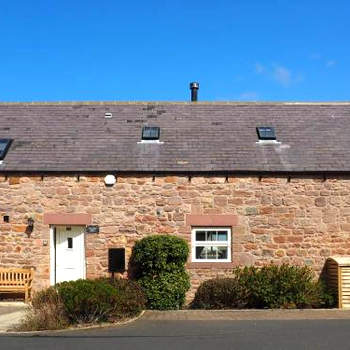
83,301
272,286
166,290
88,300
130,299
160,253
220,293
101,299
282,286
160,270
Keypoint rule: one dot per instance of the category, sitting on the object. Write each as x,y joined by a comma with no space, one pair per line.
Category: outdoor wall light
110,180
30,222
30,226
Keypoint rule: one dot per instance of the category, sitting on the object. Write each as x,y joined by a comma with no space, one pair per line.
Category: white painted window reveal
211,244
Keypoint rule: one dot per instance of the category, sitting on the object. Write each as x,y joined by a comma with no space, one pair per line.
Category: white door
70,253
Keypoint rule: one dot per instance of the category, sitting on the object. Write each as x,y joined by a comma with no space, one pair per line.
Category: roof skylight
266,133
150,133
4,146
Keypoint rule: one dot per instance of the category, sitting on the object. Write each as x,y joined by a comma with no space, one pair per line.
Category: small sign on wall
92,229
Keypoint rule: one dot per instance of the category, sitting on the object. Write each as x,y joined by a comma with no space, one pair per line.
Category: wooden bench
14,280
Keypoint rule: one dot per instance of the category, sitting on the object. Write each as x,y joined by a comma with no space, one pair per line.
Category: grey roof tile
196,137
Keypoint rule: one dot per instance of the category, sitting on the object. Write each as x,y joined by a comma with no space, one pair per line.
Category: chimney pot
194,86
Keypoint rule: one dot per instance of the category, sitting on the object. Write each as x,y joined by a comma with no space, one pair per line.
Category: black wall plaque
92,229
116,260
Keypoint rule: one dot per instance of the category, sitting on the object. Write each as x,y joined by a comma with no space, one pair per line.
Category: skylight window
266,133
4,146
150,133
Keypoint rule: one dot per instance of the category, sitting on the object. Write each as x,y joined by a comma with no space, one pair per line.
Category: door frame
53,253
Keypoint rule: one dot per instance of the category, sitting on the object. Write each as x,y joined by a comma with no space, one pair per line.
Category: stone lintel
211,220
67,219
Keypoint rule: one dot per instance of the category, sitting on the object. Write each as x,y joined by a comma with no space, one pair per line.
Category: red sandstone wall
297,220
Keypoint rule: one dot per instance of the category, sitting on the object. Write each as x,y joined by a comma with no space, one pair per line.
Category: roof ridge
175,103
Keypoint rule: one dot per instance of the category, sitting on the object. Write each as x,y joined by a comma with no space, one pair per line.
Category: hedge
272,286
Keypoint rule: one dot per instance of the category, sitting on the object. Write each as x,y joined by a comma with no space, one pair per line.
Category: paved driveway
10,314
204,335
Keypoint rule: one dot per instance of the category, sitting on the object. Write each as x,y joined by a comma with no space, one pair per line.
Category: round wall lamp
110,180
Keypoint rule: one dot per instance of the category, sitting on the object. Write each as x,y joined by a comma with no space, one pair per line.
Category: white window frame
195,243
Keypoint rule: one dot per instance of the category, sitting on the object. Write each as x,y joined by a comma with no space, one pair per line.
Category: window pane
211,236
212,252
200,236
222,252
70,242
200,253
222,236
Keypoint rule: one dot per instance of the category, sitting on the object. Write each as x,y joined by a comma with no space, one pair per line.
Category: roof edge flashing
150,142
268,142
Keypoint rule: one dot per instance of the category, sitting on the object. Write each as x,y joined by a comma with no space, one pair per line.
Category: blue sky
268,50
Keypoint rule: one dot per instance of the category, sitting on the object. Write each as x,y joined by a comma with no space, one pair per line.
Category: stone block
251,211
320,202
14,180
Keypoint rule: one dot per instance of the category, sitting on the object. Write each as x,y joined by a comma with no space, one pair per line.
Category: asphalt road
203,335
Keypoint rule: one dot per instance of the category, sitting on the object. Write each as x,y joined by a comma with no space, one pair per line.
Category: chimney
194,91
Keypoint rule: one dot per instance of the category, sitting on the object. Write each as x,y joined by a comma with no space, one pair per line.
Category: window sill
209,265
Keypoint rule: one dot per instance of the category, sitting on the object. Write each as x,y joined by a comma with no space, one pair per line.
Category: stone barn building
243,183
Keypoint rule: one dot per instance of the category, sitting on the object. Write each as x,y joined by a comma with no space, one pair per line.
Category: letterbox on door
116,260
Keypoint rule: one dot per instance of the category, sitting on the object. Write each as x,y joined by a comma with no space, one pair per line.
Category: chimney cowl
194,86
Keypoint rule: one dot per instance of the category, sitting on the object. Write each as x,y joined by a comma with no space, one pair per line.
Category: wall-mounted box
116,260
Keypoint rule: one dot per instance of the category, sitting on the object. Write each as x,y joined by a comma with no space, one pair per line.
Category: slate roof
197,137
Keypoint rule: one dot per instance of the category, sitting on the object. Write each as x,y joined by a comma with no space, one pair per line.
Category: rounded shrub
159,262
83,301
158,254
166,290
220,293
87,300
